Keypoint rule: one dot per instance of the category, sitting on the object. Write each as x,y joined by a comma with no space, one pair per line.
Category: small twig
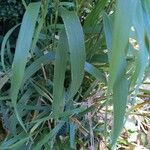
44,72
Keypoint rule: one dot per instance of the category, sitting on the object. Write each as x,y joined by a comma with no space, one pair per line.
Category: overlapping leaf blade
142,53
22,50
75,38
6,37
59,75
117,78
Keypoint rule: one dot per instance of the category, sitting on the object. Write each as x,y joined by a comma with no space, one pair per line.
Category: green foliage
22,49
72,62
118,80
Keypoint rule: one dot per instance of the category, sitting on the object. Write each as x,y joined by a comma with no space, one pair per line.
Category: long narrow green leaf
94,17
122,25
59,75
120,93
36,65
22,50
117,78
76,48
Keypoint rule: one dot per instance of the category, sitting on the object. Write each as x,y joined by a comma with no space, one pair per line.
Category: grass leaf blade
75,38
22,50
59,75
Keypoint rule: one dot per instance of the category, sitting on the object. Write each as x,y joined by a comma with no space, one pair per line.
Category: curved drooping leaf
75,38
120,93
6,37
94,17
22,50
93,23
121,32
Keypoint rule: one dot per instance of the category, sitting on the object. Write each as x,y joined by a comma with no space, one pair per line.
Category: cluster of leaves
72,61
